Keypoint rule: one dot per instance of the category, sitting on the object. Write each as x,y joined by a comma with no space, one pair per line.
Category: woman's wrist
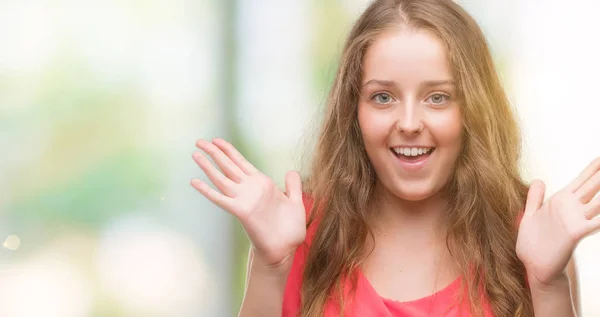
552,298
281,269
560,283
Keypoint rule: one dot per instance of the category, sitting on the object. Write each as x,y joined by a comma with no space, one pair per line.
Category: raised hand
273,220
550,231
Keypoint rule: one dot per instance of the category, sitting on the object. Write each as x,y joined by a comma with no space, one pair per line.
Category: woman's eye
382,98
438,99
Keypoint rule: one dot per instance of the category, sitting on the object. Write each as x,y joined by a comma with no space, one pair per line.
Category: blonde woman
414,205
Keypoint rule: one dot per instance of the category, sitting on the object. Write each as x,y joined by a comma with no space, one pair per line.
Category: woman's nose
409,119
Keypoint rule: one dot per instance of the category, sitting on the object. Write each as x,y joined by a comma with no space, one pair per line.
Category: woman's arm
560,298
574,283
548,235
265,287
275,221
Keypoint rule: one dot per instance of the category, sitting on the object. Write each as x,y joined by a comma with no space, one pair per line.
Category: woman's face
409,114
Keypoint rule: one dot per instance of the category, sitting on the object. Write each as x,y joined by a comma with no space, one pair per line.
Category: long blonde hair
486,191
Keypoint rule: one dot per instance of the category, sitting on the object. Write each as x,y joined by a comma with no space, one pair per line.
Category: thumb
535,196
293,186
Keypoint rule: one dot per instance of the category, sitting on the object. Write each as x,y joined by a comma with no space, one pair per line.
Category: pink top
366,301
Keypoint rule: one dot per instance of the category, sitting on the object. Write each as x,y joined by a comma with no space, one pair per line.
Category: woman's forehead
406,55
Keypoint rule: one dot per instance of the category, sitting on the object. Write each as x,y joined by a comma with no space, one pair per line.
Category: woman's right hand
274,221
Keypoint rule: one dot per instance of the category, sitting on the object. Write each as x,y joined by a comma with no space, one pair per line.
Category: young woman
414,205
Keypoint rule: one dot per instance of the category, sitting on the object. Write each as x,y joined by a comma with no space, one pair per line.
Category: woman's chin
409,190
414,193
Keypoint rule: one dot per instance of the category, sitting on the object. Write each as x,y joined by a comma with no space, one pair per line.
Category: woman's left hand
550,231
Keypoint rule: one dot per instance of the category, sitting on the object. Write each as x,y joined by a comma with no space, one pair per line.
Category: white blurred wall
556,67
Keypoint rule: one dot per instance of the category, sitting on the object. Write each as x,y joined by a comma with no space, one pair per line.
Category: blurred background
101,103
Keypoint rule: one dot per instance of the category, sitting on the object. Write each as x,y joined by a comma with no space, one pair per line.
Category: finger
235,156
293,186
230,170
535,196
224,184
593,208
215,197
589,189
593,226
587,173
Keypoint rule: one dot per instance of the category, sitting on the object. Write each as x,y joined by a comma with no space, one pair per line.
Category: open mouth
412,155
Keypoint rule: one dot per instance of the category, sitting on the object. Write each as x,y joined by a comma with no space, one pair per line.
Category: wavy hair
486,190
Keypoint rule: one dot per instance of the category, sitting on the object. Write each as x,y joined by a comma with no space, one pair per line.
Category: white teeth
412,151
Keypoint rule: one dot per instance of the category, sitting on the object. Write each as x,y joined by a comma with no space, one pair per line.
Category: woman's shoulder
293,288
308,201
311,224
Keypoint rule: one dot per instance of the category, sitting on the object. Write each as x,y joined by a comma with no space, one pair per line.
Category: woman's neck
420,222
410,236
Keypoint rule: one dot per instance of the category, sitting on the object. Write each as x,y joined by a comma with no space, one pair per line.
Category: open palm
550,231
273,220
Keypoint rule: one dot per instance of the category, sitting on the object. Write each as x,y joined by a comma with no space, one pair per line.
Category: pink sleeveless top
366,301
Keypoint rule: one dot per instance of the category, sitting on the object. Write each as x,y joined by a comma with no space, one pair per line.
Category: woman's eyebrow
387,83
429,83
